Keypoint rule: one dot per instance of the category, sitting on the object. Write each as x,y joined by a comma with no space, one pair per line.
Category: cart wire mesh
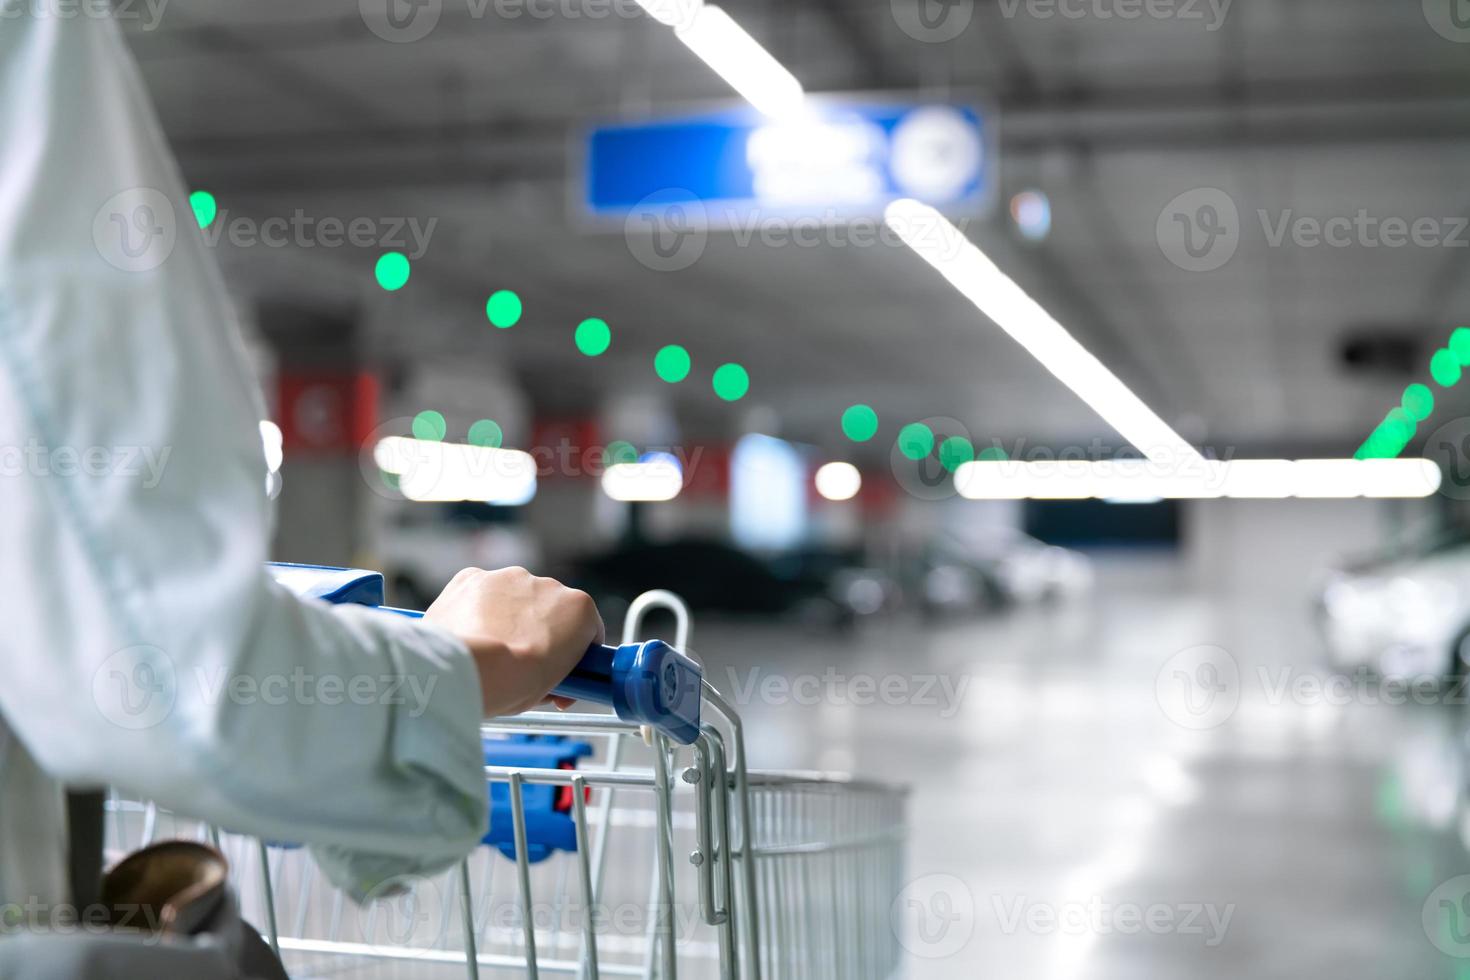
685,864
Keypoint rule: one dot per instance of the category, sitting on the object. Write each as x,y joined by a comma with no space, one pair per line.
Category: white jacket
133,525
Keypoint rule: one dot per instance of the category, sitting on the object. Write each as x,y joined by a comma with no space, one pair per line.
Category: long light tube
969,270
739,59
1241,478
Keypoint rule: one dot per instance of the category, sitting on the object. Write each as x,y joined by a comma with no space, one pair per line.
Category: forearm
134,528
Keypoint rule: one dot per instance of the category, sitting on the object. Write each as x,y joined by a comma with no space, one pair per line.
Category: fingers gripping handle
647,683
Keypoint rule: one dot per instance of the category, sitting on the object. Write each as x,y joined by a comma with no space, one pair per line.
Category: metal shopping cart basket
636,843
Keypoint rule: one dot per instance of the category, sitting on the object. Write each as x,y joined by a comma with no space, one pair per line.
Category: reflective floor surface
1144,783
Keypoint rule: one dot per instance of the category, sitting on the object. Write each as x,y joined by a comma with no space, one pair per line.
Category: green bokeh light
731,382
619,451
1396,432
672,363
392,271
859,423
954,452
430,426
503,308
486,432
1444,368
593,336
992,454
1460,345
916,440
1399,420
205,207
1418,401
1390,437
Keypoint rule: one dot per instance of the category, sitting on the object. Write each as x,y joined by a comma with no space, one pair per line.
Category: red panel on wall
706,471
326,414
879,493
566,447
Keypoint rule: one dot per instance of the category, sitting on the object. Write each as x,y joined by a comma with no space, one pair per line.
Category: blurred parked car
1401,614
1029,570
424,545
820,588
990,569
938,582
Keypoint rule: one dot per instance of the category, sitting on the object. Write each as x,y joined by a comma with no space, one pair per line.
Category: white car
425,545
1401,616
999,566
1032,571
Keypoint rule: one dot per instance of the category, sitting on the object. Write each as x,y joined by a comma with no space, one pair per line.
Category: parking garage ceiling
1317,108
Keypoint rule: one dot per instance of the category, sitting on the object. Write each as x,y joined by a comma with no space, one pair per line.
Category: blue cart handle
647,683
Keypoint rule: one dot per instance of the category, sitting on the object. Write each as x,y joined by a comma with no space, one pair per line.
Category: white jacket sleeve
143,644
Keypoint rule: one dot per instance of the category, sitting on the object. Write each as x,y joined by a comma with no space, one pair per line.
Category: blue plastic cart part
647,683
548,809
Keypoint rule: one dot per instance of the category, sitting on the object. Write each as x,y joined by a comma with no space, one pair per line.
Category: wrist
493,659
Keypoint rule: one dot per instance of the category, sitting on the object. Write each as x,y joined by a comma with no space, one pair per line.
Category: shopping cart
633,843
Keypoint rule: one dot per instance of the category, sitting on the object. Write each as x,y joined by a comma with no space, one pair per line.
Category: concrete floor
1147,782
1079,811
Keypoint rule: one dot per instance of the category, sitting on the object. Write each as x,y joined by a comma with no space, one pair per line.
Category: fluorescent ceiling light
1244,478
672,13
968,269
739,59
838,481
653,480
446,472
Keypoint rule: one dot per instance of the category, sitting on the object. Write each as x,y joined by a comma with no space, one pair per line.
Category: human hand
525,632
